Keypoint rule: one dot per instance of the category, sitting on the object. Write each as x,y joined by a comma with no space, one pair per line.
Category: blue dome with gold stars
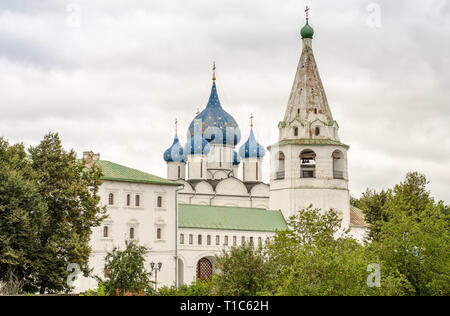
236,159
217,126
175,153
251,148
196,145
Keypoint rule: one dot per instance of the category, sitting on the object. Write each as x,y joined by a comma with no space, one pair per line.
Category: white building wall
294,193
190,254
145,219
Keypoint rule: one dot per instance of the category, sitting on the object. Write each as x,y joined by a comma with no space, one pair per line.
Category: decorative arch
338,164
234,185
204,187
307,164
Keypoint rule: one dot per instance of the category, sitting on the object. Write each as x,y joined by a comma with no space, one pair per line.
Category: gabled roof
230,218
357,217
115,172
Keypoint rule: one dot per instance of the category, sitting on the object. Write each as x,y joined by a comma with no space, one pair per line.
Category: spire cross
307,13
214,71
251,120
176,126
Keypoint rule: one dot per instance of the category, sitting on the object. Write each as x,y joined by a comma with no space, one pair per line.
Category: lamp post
156,267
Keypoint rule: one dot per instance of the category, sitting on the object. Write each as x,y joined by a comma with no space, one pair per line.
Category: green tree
69,191
126,271
416,242
310,260
372,204
48,205
242,271
22,216
196,288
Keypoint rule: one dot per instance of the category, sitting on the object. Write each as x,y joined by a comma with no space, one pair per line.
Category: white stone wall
293,192
252,169
145,220
229,192
197,167
176,170
190,254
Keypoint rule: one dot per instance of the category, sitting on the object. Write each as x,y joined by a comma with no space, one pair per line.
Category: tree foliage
48,205
126,271
242,271
312,260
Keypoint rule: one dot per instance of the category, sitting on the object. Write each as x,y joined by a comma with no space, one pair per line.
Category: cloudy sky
111,76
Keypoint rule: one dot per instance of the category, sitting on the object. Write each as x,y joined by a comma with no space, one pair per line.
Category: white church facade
203,207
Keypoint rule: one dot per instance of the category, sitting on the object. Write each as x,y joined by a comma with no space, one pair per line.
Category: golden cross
176,126
307,13
251,120
214,71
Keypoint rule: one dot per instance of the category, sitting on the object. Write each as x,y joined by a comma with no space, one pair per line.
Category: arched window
338,164
182,239
105,231
158,233
279,174
128,199
191,239
217,240
260,242
159,201
199,239
243,240
234,241
208,240
251,240
111,199
308,164
225,241
131,233
137,200
204,269
317,131
296,131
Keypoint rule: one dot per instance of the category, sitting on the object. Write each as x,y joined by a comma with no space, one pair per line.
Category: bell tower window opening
280,173
295,131
307,164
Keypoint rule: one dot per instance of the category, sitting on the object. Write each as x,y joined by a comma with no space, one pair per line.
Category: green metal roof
115,172
230,218
311,142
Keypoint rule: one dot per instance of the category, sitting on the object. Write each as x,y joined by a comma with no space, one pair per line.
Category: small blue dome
251,148
217,126
175,153
236,159
197,145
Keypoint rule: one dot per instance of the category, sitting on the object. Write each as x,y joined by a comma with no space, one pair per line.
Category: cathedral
203,207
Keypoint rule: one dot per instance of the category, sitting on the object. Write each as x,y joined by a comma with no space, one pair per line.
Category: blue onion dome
197,145
217,126
251,148
236,158
175,153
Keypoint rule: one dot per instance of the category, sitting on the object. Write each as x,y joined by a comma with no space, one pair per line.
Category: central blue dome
218,127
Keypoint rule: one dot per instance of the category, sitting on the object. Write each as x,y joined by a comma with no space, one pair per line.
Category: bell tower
309,162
